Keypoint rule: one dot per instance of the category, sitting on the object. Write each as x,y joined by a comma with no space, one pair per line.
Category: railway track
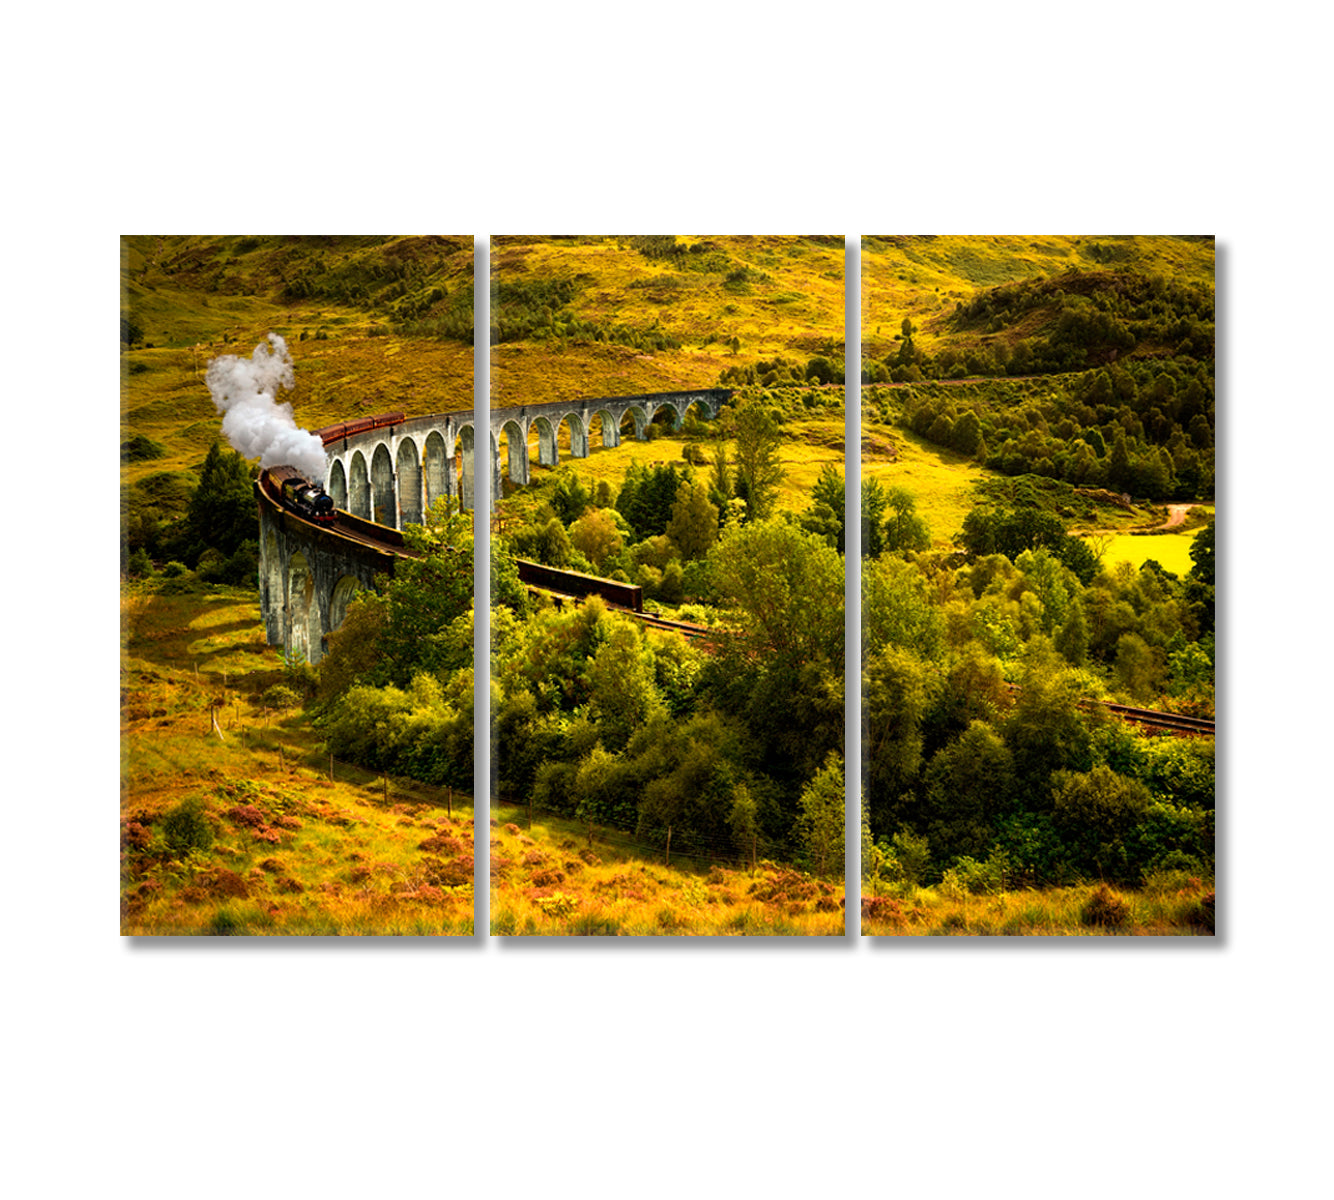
686,628
1150,718
1147,718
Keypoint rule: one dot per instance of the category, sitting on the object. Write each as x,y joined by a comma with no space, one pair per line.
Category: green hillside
589,316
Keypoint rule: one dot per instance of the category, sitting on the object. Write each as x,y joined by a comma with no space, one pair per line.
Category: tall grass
554,880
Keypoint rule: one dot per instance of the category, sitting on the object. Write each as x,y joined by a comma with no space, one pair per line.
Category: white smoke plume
254,423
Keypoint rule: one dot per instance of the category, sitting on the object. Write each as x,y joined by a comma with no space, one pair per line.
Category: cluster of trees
890,520
1146,428
734,752
784,372
395,688
1083,319
657,529
212,529
984,759
731,750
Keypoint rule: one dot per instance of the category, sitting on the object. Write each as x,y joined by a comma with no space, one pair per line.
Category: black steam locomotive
304,498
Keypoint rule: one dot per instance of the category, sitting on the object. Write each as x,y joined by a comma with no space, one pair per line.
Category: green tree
427,596
694,524
897,609
596,537
569,497
720,477
222,513
966,433
758,470
898,689
1202,554
904,529
1095,812
1119,472
969,783
820,822
825,516
623,694
789,586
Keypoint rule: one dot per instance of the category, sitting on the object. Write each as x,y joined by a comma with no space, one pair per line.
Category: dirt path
1176,516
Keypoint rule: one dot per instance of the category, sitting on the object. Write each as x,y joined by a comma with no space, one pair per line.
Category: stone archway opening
409,465
634,424
696,419
384,510
515,453
542,437
608,432
465,467
338,484
665,421
438,470
359,491
572,436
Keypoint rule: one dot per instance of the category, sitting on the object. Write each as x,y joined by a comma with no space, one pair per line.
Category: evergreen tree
222,511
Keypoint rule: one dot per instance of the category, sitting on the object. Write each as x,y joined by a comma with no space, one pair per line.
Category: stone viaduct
308,573
383,479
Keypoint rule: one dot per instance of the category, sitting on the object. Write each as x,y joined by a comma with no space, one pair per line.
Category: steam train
304,498
334,433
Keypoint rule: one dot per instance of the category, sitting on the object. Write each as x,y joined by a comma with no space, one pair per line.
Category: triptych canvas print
740,661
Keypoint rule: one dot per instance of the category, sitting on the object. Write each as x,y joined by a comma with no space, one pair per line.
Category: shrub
185,828
1105,909
280,696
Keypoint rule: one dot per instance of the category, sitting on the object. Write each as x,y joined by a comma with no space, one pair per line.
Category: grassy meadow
1176,905
774,295
558,876
286,850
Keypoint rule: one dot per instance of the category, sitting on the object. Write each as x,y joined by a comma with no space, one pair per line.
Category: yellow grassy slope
551,880
294,852
796,310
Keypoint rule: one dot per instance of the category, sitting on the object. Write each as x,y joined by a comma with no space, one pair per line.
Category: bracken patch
1105,910
882,908
246,815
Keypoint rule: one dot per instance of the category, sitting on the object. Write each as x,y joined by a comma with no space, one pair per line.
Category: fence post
669,846
331,766
449,801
